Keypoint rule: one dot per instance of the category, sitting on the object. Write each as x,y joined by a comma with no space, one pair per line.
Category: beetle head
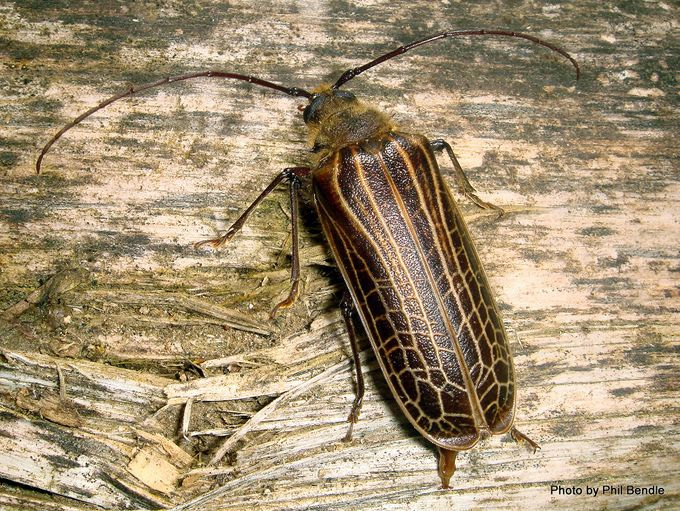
337,119
326,102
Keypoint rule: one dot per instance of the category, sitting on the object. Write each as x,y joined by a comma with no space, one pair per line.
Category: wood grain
584,264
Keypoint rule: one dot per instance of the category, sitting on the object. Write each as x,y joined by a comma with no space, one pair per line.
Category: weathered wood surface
585,263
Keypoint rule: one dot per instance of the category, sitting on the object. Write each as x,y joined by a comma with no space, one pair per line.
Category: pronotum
411,270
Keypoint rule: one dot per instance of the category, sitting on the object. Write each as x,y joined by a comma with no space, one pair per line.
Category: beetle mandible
411,270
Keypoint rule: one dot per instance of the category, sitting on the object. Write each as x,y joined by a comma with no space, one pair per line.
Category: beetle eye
307,113
345,95
320,102
316,148
311,112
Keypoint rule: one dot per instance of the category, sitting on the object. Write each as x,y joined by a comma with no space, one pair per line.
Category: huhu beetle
411,270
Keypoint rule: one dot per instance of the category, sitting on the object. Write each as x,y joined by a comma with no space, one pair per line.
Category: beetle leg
447,465
521,438
293,175
347,308
294,293
287,173
464,185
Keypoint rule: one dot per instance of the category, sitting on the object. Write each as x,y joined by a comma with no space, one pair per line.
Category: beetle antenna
291,91
351,73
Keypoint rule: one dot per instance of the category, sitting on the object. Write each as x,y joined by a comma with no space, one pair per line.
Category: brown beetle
411,269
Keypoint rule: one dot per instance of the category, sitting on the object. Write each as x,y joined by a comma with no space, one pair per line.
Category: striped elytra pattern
419,287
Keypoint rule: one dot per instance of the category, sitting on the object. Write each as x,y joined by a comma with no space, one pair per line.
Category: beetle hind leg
521,438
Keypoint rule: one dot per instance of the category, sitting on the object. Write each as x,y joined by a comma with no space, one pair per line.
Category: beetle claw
348,437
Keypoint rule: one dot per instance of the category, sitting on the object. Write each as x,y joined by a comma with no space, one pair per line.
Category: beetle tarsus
447,466
348,437
353,417
217,242
484,204
521,438
292,297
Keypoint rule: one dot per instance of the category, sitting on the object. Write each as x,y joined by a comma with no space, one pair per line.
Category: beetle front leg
462,181
347,309
293,175
286,173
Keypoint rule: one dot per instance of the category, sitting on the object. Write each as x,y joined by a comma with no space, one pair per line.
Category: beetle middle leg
293,175
347,309
462,181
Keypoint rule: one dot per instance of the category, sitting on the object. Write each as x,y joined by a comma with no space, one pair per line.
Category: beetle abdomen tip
447,466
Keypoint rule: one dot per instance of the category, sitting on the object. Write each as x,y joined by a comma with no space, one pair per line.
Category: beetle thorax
337,119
